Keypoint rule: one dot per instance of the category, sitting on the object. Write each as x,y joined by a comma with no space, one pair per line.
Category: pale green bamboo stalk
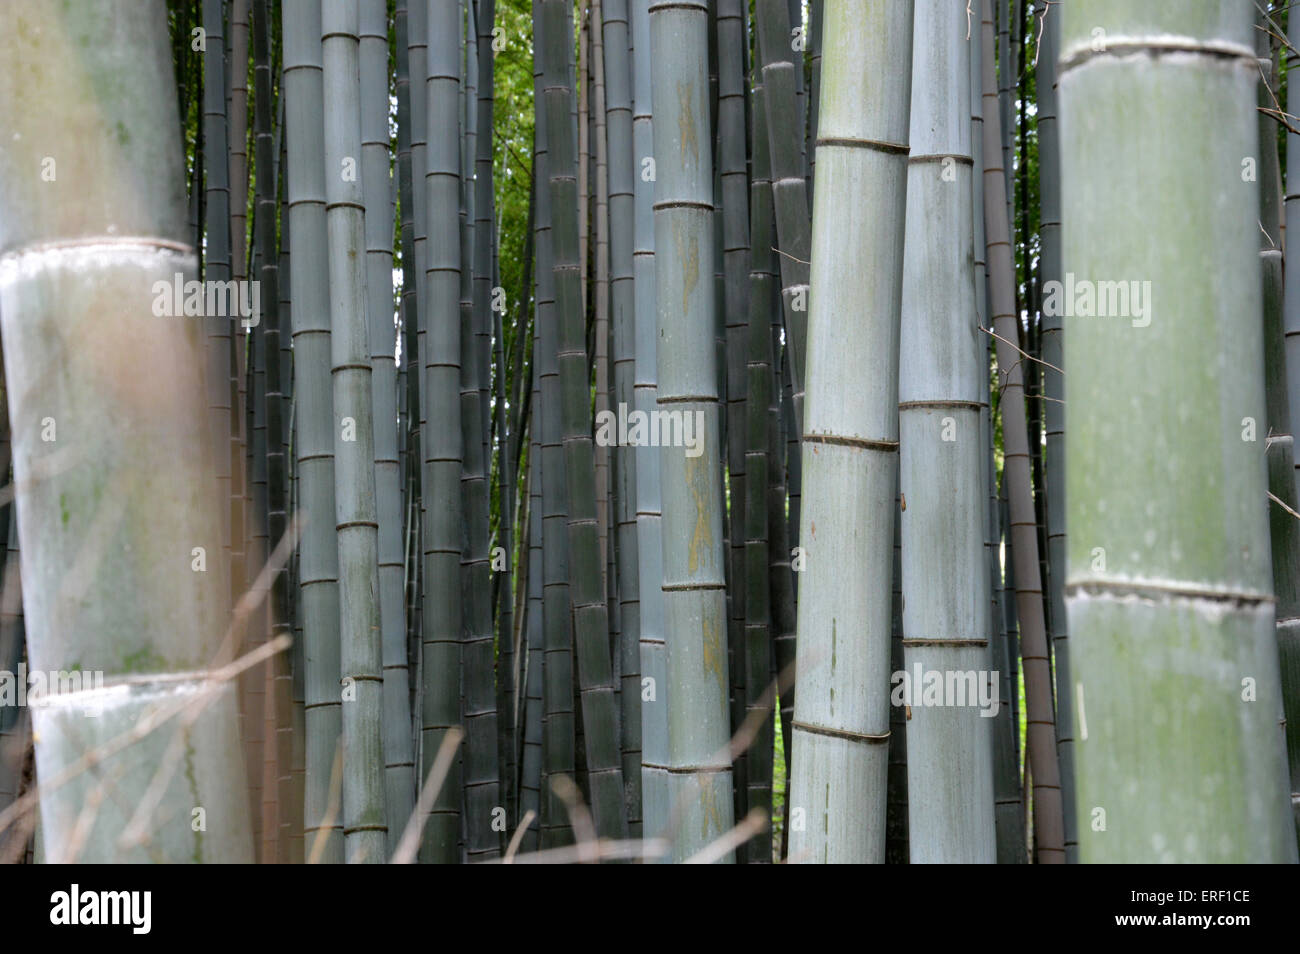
314,432
850,436
699,773
364,816
132,512
623,171
649,514
1049,834
1177,582
399,770
442,445
944,577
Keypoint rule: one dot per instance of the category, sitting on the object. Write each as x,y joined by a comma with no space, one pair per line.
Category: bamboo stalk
442,446
945,581
850,437
314,434
699,774
649,515
586,583
115,500
1181,583
1048,822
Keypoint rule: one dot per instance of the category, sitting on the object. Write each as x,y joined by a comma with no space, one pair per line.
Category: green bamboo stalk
1008,804
274,514
82,256
782,83
443,445
481,770
314,438
586,583
655,808
530,761
1049,185
216,267
292,768
558,742
238,107
763,291
1184,590
732,226
699,773
897,836
364,818
15,721
1049,834
1283,356
600,303
1284,530
850,437
622,183
945,581
399,757
815,14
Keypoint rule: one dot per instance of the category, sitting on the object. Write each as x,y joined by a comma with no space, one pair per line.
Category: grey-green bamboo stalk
850,436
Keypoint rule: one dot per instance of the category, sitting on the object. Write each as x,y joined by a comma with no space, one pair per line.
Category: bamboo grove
648,430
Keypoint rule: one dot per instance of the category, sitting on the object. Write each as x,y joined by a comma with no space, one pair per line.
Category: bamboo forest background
398,571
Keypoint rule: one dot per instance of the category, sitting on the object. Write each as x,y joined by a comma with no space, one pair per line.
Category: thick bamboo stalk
850,436
558,742
649,514
699,773
941,466
314,422
399,756
131,511
1049,836
481,770
364,816
622,182
443,445
1174,585
586,568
